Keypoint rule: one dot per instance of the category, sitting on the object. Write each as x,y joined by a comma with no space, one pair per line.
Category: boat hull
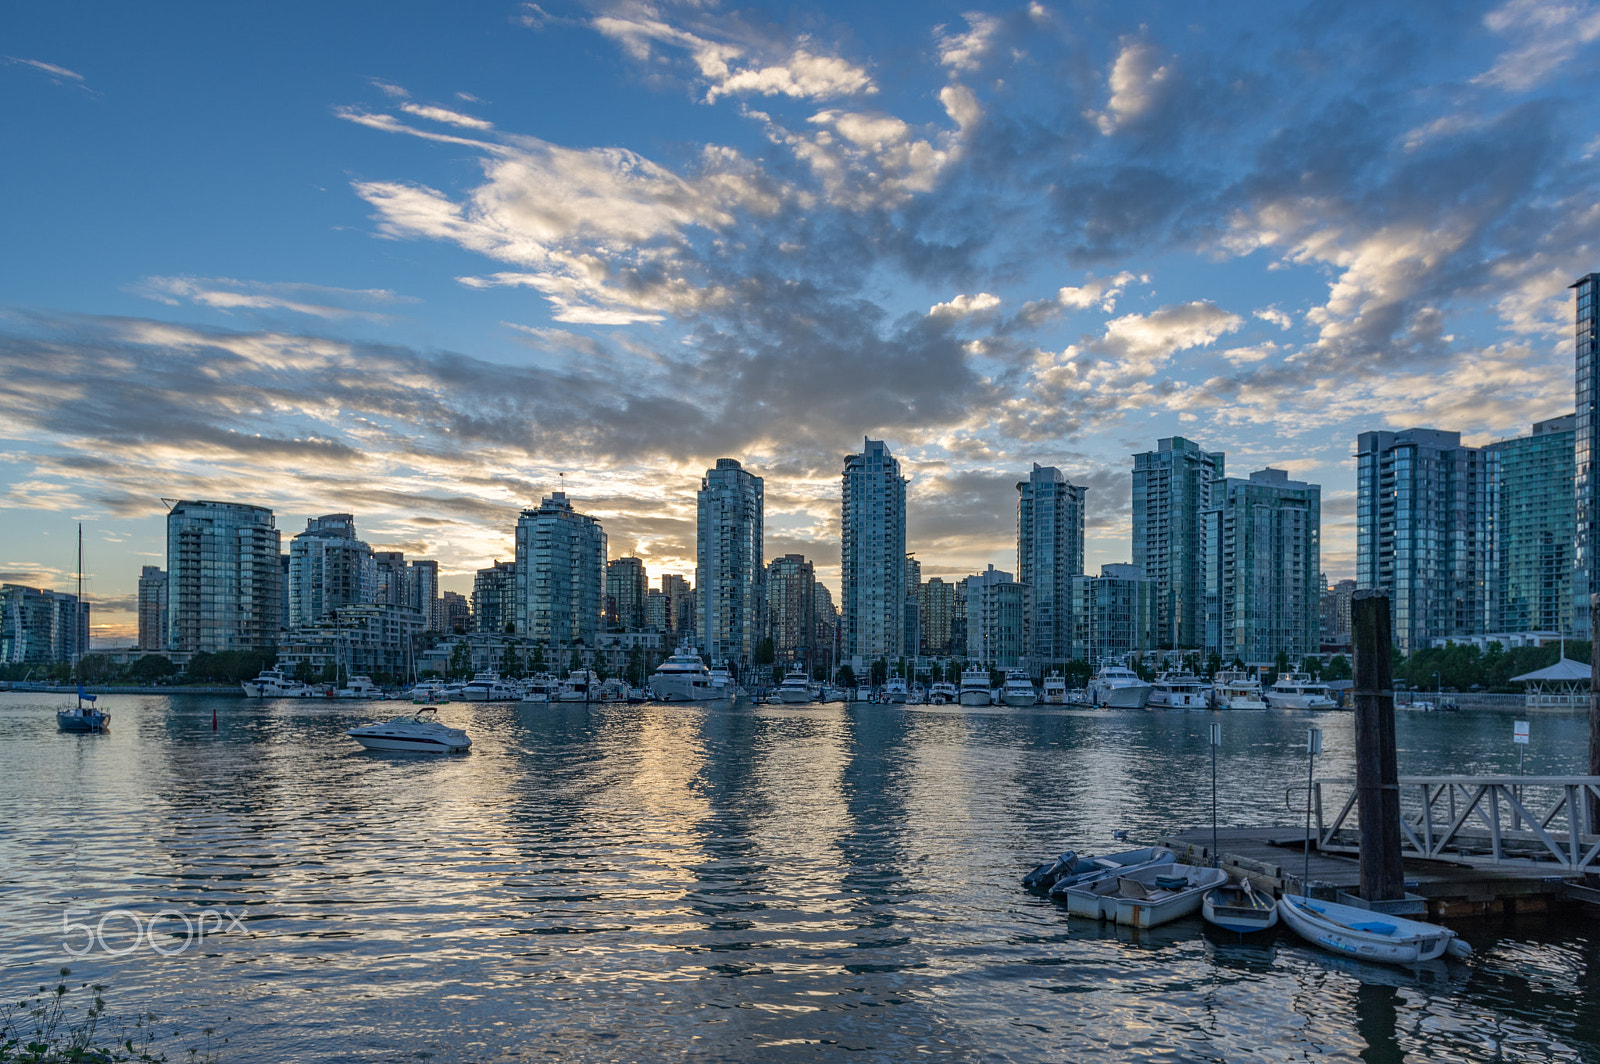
1230,910
1130,697
92,721
1276,701
1409,941
1020,700
976,698
791,697
411,745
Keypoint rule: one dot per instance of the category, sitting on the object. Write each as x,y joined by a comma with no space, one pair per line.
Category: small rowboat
1070,869
1367,935
1235,906
1145,897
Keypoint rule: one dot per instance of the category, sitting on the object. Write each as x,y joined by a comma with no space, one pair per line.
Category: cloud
964,306
227,294
56,73
1274,316
1548,33
445,115
1137,82
964,52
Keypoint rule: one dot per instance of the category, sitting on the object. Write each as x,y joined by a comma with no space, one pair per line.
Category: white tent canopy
1564,671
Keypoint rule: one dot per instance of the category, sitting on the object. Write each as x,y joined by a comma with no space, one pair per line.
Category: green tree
1338,668
1077,672
634,671
880,672
576,661
150,668
460,667
847,678
1280,667
97,668
1213,664
536,663
1311,666
511,663
766,652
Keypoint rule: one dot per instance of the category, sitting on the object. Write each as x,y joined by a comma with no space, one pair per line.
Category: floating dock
1274,858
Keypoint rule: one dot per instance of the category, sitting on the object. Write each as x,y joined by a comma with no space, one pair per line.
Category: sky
418,261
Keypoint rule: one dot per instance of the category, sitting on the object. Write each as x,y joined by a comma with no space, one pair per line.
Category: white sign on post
1519,732
1216,735
1314,741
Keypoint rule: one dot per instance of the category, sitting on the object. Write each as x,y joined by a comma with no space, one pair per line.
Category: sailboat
81,718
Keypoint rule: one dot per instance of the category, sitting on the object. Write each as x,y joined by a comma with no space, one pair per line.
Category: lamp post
1438,692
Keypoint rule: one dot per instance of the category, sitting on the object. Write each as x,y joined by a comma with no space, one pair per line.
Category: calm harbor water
755,883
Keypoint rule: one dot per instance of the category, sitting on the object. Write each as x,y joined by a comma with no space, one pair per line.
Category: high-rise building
873,571
1049,555
1263,568
997,619
494,593
1586,449
679,605
1533,509
729,571
455,614
958,619
1172,490
791,607
283,590
152,608
825,631
561,573
936,609
393,586
1336,614
39,627
328,568
1114,614
422,578
1423,532
626,584
223,577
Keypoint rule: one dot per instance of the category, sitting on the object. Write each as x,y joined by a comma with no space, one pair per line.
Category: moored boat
1367,935
943,693
1236,689
1297,690
683,677
896,691
1070,870
1179,690
975,689
272,683
1018,690
1118,687
795,689
581,685
1145,897
863,693
1055,689
1237,906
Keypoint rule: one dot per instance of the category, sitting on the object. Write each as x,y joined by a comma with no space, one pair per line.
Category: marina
767,882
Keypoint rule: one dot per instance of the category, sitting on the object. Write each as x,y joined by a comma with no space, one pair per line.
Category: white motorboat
896,691
1367,935
1237,906
541,688
1118,687
943,693
581,685
488,687
833,693
272,683
1179,690
359,687
863,692
1018,690
426,693
795,688
683,677
1146,897
613,689
1070,870
1297,690
1236,689
975,689
723,682
1055,690
418,732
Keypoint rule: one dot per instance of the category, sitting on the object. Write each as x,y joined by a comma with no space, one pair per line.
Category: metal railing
1538,821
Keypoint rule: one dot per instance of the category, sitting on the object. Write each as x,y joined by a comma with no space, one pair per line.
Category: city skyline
990,237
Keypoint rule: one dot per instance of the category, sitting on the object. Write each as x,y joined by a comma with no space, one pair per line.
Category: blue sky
415,261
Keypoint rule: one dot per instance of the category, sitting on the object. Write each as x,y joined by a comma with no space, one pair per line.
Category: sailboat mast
77,622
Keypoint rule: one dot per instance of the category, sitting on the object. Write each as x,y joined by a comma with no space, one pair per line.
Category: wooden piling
1377,768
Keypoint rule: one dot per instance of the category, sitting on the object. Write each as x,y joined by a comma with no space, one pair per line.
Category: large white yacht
272,683
1179,690
723,682
1118,687
1297,690
943,693
795,688
1055,689
581,685
488,687
541,688
683,677
895,690
359,687
418,732
1236,689
1018,690
975,689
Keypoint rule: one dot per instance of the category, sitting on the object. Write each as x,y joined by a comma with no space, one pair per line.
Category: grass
44,1028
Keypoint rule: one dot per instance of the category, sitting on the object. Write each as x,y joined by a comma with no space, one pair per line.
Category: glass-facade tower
1534,509
560,573
730,575
223,577
1263,559
872,520
1586,348
1172,490
1049,555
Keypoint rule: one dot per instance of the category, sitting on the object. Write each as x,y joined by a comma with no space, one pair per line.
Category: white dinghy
1235,906
1367,935
1146,897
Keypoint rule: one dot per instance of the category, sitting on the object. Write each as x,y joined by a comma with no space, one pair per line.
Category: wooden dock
1273,858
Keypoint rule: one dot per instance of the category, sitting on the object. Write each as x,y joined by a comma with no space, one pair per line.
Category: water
773,882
